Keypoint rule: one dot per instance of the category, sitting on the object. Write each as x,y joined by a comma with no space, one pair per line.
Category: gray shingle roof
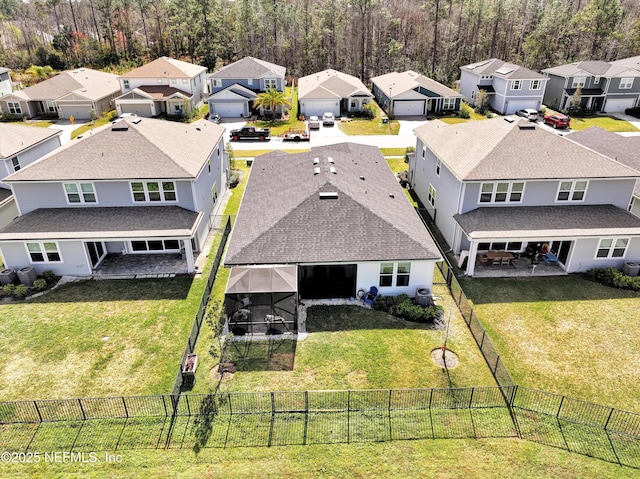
148,149
283,219
624,67
548,221
4,194
406,81
515,72
249,67
91,84
496,149
15,138
165,67
94,223
330,84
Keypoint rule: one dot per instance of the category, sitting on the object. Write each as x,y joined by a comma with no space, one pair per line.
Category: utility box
27,276
423,297
8,276
631,268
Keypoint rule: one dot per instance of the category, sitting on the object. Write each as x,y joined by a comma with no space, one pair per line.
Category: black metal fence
204,302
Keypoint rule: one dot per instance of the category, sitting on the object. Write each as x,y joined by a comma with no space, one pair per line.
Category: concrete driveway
67,128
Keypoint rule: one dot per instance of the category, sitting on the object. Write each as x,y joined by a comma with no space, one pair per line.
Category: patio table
550,258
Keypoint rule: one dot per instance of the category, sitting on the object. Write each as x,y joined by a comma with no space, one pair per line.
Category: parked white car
528,113
328,119
314,123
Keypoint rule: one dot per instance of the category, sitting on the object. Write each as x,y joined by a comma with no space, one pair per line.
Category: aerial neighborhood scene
320,239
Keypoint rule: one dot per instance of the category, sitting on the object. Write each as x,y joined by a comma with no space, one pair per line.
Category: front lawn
279,127
605,122
565,335
362,126
97,338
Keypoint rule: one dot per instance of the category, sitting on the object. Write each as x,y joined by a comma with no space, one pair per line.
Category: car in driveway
528,113
314,123
328,119
557,120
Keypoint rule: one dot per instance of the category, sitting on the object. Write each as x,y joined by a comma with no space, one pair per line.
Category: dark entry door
96,252
562,249
327,281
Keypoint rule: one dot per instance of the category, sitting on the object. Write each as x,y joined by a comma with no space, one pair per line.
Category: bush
614,278
464,112
234,179
48,276
40,284
402,306
21,291
9,289
369,111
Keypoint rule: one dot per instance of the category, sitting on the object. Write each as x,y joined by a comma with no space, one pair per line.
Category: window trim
516,85
395,274
147,250
612,248
535,85
381,274
125,83
578,82
161,191
216,82
15,163
508,193
438,166
43,251
431,198
270,83
448,103
626,83
16,106
80,193
572,191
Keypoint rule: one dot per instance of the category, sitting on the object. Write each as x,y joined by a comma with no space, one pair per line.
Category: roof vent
120,126
136,121
362,177
330,160
316,170
391,195
508,120
526,126
316,161
328,195
333,170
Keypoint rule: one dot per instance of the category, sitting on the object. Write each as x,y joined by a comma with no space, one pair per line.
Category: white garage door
614,105
515,105
78,112
138,109
406,108
228,110
319,107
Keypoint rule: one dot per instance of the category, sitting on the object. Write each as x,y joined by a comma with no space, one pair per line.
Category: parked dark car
557,120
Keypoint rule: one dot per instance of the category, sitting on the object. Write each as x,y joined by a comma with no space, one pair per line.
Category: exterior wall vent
328,195
316,170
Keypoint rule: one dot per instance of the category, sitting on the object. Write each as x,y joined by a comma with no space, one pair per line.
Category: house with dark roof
624,149
328,223
412,94
20,146
138,186
507,185
235,86
165,85
607,87
509,87
331,91
82,93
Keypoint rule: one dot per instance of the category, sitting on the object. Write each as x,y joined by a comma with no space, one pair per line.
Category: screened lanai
262,300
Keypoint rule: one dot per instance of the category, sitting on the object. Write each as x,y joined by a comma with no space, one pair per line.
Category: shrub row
615,278
402,306
21,291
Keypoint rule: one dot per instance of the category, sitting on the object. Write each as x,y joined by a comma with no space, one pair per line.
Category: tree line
364,38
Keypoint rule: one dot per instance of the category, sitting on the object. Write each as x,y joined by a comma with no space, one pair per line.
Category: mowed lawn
350,347
565,335
97,338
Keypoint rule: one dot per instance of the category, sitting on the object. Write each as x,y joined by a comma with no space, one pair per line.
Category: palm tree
271,100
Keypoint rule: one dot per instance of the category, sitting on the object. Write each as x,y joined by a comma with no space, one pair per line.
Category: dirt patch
223,374
445,358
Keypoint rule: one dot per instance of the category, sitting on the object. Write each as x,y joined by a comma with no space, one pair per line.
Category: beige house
164,85
331,91
81,93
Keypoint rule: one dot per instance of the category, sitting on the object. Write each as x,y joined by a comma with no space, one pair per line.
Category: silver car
328,118
314,123
528,113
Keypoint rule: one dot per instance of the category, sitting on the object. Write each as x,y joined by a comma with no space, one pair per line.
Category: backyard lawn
97,338
564,334
605,122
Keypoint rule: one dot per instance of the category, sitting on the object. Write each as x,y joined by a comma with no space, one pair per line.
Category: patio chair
482,260
496,261
370,297
505,261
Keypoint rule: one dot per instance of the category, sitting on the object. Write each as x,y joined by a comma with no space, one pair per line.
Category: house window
516,84
502,192
125,84
626,83
15,162
209,166
173,81
80,193
14,108
177,107
249,81
424,152
43,252
273,83
51,106
535,84
216,82
155,245
386,274
432,196
612,247
214,193
438,166
473,94
572,190
449,104
153,191
403,273
578,82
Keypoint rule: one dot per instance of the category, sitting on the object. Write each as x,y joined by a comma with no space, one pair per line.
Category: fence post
164,403
471,397
349,416
608,419
230,405
495,369
126,412
389,410
482,340
559,407
306,417
35,403
84,416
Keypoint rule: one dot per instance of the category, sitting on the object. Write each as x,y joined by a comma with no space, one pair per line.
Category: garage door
406,108
515,105
137,108
614,105
319,107
78,112
228,110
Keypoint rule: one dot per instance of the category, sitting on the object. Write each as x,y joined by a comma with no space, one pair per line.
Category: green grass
103,120
564,335
40,123
397,164
233,204
451,458
54,346
279,127
393,151
604,122
361,126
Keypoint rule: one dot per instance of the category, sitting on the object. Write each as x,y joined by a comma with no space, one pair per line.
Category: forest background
364,38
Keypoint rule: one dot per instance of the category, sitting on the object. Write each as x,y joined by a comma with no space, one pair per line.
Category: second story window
153,191
578,82
80,193
273,83
626,83
535,84
15,162
572,190
438,166
516,84
125,84
216,82
432,196
501,192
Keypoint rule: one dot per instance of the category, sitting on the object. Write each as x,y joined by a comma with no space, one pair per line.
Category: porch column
589,102
471,262
188,252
